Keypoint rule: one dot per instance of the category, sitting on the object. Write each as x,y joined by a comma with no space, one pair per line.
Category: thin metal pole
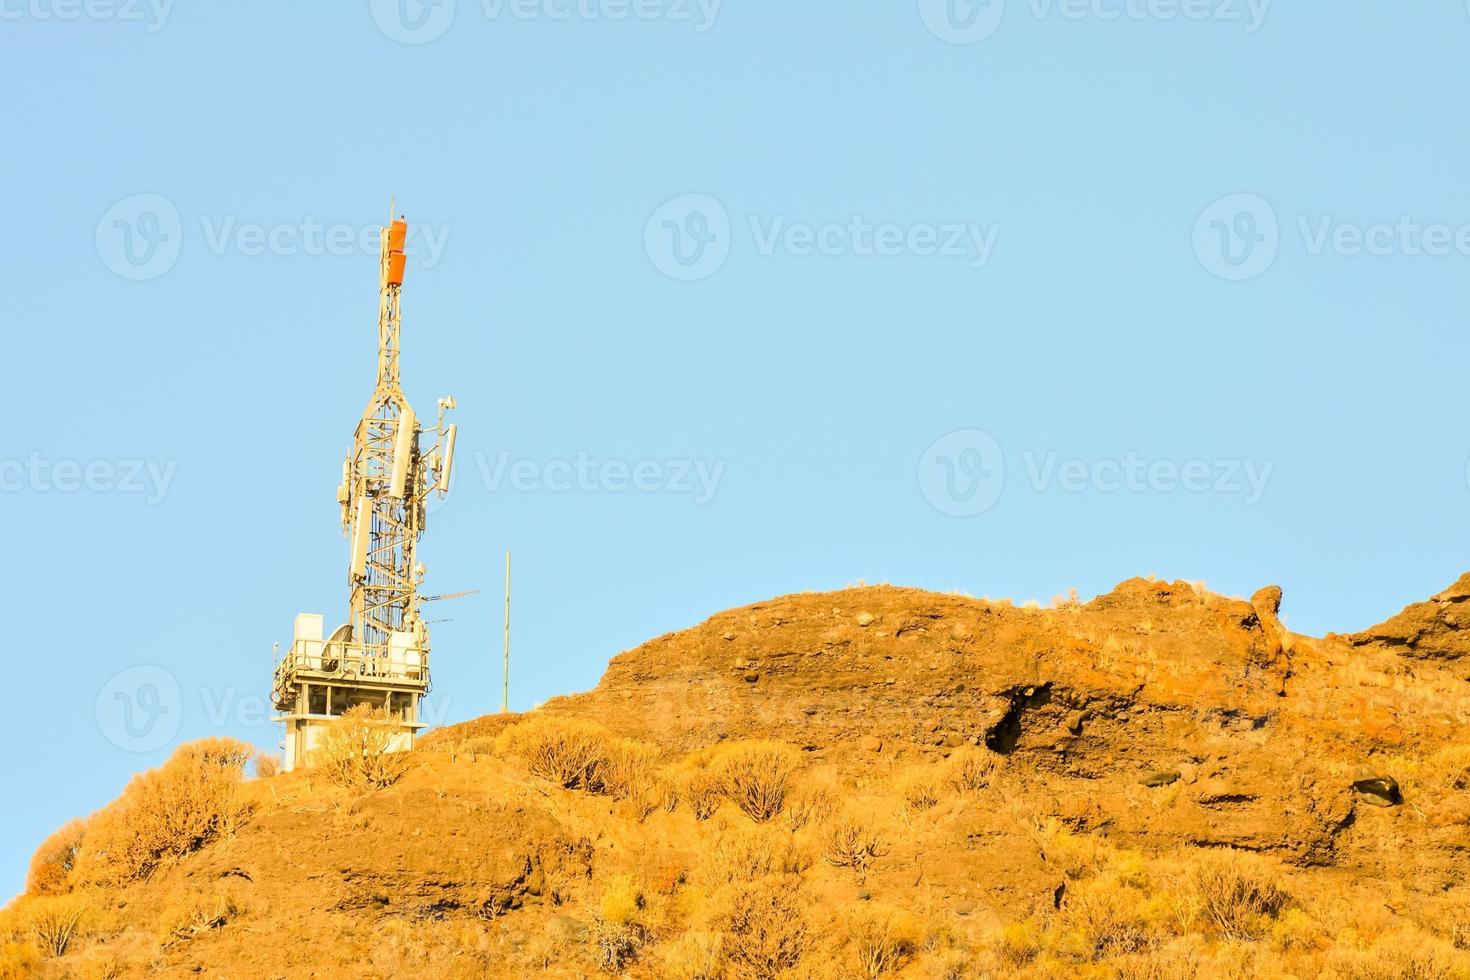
505,667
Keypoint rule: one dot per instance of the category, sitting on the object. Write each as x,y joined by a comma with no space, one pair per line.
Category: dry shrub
1015,945
618,931
695,956
621,901
53,861
971,769
851,841
1078,855
18,960
1449,768
1296,932
666,792
1106,915
881,939
919,790
766,930
575,754
743,855
480,745
356,750
195,916
755,776
951,964
1238,892
564,751
100,963
267,766
1406,955
190,801
55,920
809,804
701,789
614,947
628,771
1178,962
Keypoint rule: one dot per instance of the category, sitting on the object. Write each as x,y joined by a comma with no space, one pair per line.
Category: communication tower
380,656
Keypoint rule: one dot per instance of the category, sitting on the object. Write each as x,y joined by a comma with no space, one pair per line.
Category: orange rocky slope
1153,723
1265,730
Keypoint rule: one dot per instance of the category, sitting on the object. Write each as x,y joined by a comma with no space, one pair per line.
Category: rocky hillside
1266,731
1161,782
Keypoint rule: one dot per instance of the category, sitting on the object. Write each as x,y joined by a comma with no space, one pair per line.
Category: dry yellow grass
804,897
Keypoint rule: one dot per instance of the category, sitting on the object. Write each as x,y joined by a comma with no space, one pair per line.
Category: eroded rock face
1091,704
1438,629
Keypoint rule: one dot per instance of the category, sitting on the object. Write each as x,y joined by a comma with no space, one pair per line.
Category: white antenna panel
361,528
402,452
450,434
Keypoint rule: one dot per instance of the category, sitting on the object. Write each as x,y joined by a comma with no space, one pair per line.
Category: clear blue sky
945,314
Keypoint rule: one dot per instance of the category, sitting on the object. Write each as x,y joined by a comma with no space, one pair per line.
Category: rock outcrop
1438,629
1153,688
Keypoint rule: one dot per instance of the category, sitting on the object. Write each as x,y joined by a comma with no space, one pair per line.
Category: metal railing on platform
375,662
